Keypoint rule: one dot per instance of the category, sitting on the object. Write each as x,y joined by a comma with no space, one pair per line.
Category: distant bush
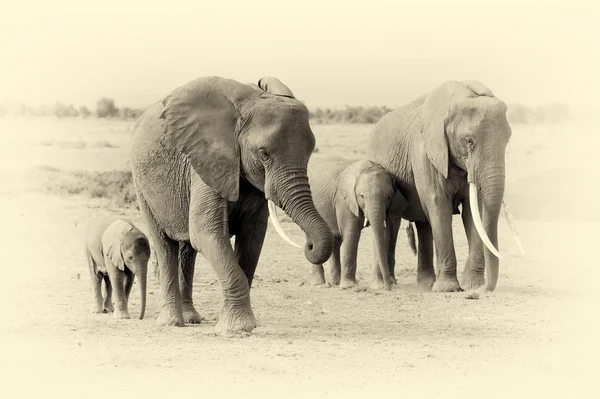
551,113
130,113
114,186
84,111
64,111
348,115
105,108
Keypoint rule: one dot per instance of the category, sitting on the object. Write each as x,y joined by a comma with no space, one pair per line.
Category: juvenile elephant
349,194
205,161
443,149
116,252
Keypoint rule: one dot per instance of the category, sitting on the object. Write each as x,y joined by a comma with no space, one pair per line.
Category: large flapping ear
200,121
347,184
478,88
112,239
435,113
274,86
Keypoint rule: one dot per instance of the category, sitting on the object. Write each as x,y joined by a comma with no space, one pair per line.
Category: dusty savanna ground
535,336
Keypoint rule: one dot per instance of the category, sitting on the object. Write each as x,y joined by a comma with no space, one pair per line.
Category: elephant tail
410,232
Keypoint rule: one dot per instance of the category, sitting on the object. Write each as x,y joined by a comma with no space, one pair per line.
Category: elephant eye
263,154
469,142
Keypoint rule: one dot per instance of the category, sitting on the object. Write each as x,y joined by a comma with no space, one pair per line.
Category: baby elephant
117,251
349,195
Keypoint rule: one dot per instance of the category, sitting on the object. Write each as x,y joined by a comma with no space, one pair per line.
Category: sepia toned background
75,77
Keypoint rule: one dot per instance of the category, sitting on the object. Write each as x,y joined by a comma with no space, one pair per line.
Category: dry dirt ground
535,336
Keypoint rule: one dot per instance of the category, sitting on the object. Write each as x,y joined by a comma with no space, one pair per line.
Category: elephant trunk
143,277
292,194
377,216
491,188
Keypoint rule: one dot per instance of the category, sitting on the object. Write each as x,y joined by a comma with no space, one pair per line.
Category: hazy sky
329,53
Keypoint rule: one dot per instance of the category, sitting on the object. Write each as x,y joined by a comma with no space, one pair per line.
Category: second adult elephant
350,194
206,159
444,148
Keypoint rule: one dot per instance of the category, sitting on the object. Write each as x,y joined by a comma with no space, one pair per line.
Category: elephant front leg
317,274
394,229
439,211
335,262
108,305
425,269
249,240
348,255
473,274
187,262
117,278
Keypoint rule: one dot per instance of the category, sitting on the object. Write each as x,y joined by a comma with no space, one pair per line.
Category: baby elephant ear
347,185
112,239
200,121
274,86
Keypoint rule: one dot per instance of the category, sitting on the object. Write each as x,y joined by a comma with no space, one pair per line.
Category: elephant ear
274,86
200,121
435,112
112,239
347,185
398,204
478,88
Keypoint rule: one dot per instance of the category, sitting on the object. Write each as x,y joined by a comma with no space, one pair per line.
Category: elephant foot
235,320
98,309
426,279
317,275
108,307
121,314
190,315
393,280
170,316
471,279
446,284
348,283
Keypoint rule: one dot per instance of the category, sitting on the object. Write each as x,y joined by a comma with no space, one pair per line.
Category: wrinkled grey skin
116,252
349,194
205,161
434,147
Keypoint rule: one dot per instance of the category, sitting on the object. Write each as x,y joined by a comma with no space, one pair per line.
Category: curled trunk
292,194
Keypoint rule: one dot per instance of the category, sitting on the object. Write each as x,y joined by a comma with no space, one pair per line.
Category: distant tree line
105,108
516,114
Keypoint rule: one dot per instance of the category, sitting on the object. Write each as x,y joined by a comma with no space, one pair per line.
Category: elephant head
369,189
228,130
464,123
126,246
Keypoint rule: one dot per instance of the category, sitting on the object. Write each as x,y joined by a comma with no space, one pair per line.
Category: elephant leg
473,274
249,240
335,263
210,236
129,277
425,269
348,255
394,229
439,212
96,279
317,274
117,278
187,263
165,251
108,305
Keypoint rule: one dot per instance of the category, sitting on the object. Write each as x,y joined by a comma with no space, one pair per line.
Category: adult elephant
443,149
206,159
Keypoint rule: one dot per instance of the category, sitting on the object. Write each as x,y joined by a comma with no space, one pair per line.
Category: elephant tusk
275,221
366,222
513,226
384,224
477,220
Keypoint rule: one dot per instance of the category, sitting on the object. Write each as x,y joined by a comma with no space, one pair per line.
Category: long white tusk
366,221
513,226
275,221
477,220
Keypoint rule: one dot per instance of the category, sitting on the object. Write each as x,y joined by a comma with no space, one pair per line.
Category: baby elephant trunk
143,276
377,215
